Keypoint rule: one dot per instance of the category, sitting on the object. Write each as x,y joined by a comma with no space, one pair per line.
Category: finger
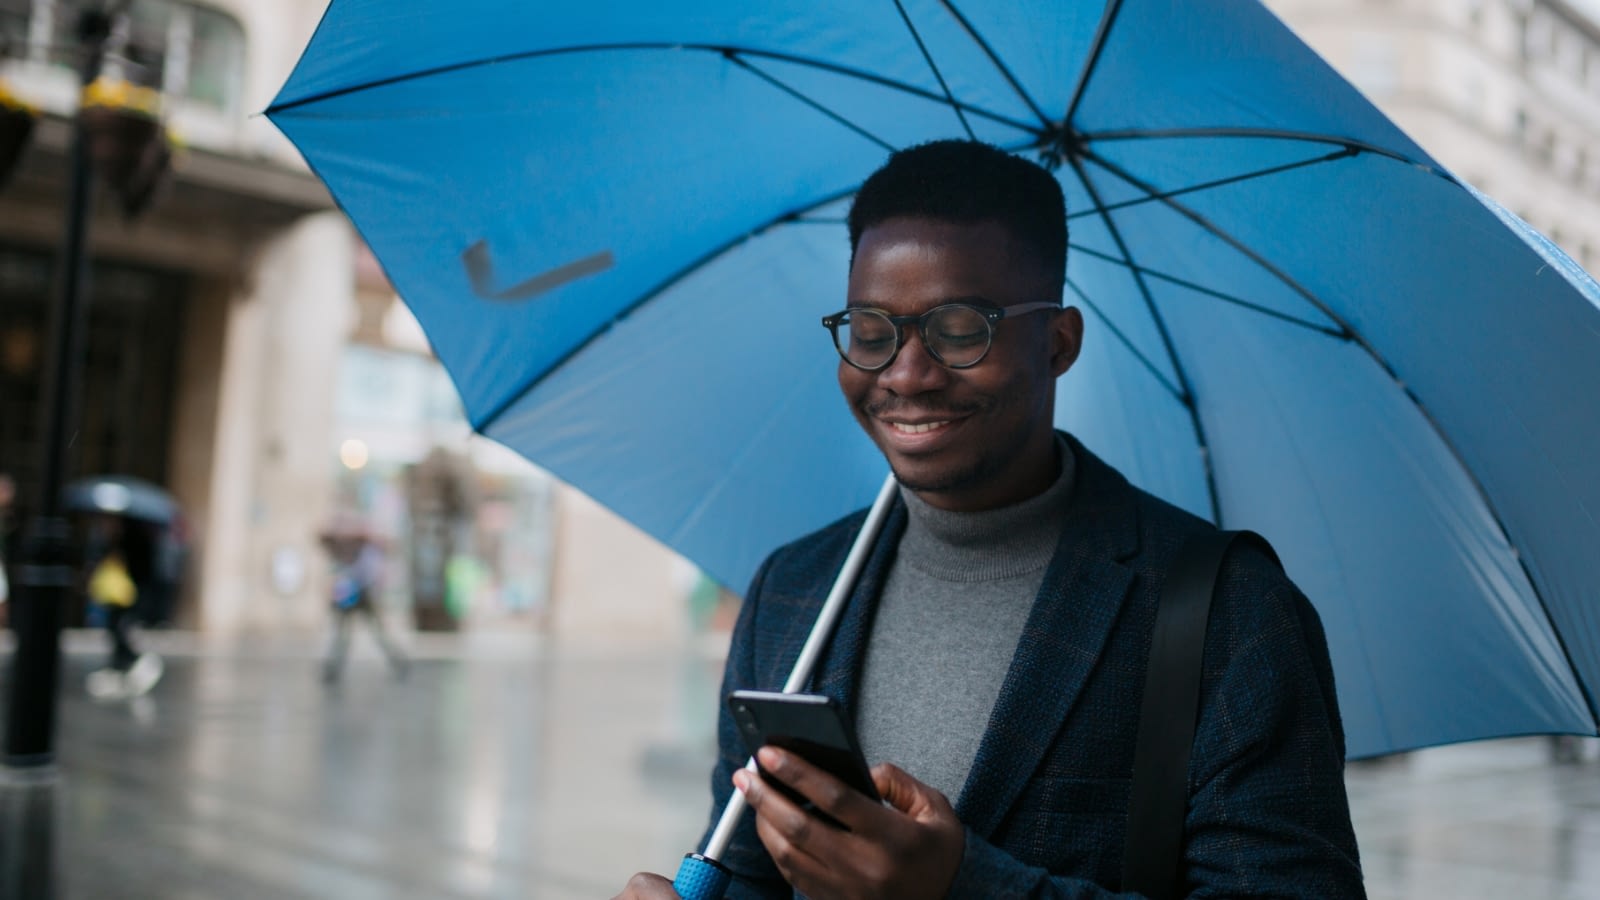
808,875
645,886
828,793
784,829
905,793
776,810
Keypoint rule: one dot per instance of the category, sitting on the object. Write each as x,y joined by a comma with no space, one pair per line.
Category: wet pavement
510,767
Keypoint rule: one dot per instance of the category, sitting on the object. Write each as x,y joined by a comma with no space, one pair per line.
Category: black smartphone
810,726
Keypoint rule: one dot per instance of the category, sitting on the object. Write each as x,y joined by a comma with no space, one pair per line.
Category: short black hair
967,182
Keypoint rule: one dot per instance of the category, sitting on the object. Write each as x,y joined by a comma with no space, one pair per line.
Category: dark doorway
134,324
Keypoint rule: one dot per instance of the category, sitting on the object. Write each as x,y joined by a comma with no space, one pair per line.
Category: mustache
922,408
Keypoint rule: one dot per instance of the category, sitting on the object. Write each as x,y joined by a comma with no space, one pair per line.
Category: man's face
963,439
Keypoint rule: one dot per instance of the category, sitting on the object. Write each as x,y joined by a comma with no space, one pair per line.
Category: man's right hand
645,886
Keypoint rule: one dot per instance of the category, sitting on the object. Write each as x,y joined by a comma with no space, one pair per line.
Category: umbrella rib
513,396
1278,273
719,49
1353,144
1004,70
1389,370
1212,292
1126,342
1107,19
938,76
747,66
1220,182
1187,396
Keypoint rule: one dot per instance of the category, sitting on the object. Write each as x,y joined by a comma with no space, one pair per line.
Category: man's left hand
910,848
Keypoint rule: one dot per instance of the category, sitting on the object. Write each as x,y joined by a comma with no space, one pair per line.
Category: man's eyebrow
973,299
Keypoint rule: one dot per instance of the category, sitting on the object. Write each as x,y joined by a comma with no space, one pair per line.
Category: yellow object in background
110,584
116,93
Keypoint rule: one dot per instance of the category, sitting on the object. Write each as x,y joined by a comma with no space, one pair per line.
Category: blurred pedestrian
168,556
358,565
111,587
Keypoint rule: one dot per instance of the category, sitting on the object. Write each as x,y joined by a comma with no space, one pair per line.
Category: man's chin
925,479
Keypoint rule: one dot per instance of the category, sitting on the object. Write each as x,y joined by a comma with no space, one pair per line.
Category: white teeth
917,429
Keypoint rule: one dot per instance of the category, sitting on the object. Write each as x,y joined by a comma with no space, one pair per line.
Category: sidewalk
513,767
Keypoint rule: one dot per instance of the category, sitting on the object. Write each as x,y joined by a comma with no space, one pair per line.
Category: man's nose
914,370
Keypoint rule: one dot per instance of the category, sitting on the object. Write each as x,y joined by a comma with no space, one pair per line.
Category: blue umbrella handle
701,878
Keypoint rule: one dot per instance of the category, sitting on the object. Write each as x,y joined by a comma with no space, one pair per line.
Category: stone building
245,352
1504,93
214,320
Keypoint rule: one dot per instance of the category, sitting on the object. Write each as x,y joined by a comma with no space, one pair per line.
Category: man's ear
1066,339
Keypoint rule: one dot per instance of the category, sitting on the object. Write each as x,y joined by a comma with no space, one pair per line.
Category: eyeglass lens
956,335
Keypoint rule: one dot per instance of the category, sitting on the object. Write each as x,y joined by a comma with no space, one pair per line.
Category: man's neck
988,543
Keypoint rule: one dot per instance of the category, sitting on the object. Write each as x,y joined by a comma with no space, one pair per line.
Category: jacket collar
1071,619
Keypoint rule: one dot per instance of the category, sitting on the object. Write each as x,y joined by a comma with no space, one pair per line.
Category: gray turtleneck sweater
953,607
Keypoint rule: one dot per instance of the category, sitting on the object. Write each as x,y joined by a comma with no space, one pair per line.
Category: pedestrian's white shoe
107,684
144,673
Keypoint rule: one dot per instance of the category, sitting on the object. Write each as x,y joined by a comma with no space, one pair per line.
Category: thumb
905,793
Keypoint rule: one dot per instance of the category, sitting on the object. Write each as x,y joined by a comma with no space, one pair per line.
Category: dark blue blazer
1045,805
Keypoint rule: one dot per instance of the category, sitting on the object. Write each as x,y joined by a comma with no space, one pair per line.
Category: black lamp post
46,571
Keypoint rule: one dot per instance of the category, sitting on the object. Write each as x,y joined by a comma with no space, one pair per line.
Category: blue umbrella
619,224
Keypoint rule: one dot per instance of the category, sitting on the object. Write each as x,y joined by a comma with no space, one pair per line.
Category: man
994,650
357,582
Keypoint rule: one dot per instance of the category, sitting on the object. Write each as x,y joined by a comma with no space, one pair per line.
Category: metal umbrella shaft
700,875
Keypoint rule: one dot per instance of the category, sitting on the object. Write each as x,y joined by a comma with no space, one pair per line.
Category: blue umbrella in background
620,222
121,495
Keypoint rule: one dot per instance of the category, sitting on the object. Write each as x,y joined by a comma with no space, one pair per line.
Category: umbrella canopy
619,223
121,495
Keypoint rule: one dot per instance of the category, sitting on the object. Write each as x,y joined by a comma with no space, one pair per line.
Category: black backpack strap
1159,796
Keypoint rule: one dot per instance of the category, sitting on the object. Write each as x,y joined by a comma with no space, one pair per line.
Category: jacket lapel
1076,608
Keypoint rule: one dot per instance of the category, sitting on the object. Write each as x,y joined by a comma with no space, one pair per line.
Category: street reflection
28,826
556,771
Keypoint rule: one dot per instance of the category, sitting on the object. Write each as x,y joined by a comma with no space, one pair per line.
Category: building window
14,21
1376,68
189,51
216,50
1546,151
1472,96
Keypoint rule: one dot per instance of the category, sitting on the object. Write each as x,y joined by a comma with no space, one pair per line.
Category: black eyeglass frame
991,316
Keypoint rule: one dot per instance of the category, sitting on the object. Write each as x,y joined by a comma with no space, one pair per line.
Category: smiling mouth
922,428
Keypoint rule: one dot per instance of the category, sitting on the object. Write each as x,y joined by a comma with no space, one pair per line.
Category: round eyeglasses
956,335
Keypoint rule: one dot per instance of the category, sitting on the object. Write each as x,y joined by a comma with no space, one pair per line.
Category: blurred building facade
214,320
1504,93
244,351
